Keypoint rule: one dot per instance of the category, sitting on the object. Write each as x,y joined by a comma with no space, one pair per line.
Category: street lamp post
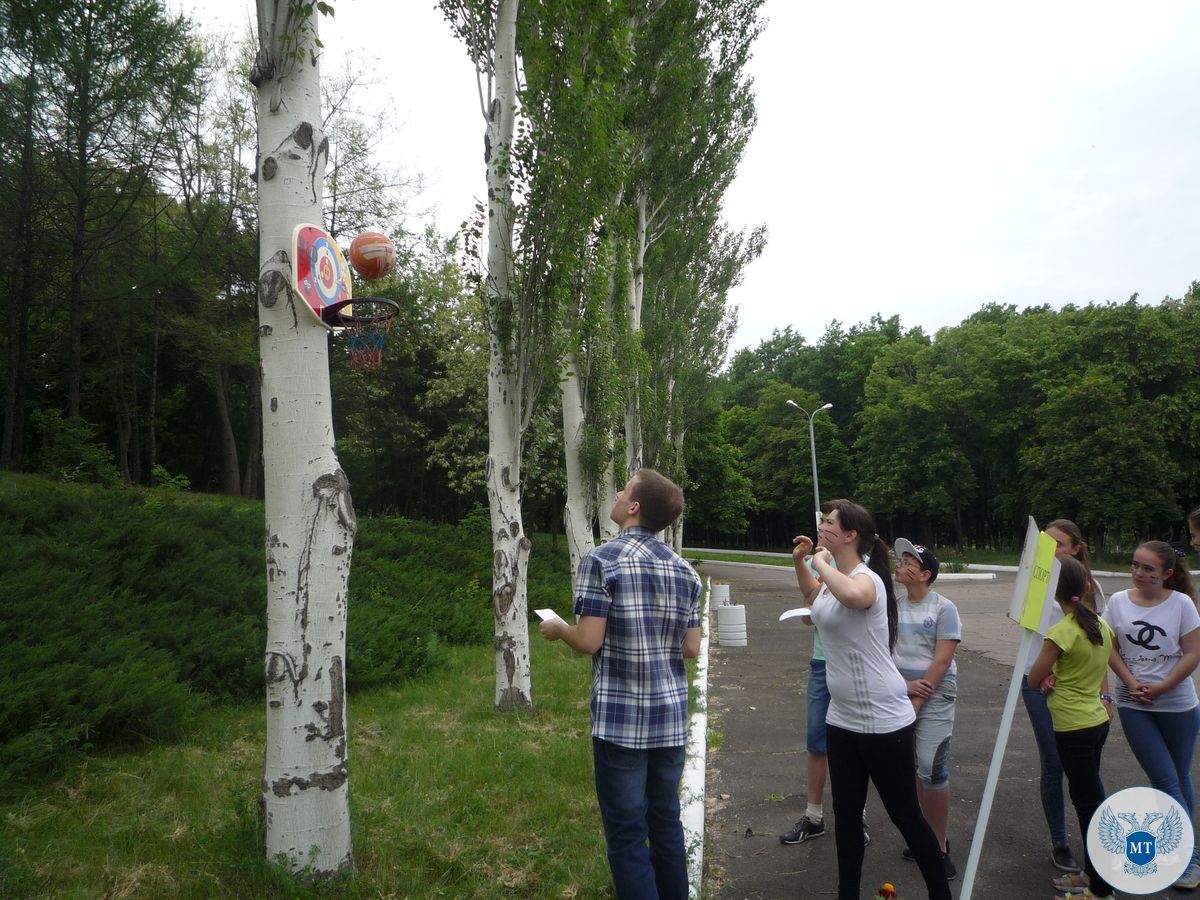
812,446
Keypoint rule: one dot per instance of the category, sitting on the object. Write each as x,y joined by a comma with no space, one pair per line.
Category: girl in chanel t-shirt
1157,632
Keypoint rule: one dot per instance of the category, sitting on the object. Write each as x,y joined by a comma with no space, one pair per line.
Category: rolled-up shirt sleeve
593,590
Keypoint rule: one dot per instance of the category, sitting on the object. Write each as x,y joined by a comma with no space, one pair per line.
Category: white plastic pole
691,790
989,788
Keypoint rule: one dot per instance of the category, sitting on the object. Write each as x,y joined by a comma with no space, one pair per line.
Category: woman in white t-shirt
1157,632
869,725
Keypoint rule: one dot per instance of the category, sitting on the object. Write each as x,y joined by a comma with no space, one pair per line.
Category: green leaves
1085,413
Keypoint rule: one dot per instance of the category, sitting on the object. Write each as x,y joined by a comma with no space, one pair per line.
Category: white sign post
1033,596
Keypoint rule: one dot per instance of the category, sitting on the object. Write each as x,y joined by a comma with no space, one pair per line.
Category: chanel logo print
1145,635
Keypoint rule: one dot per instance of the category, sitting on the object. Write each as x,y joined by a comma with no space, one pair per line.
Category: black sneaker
804,830
1063,859
947,863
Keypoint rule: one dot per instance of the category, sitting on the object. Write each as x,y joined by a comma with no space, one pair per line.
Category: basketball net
366,343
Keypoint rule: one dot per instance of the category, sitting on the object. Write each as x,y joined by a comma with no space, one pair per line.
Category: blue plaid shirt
650,597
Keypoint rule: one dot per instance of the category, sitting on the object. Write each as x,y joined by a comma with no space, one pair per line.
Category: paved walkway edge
691,788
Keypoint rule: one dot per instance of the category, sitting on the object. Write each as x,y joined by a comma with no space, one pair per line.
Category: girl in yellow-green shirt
1070,670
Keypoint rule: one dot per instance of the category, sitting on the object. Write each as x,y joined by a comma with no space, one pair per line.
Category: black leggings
887,761
1080,755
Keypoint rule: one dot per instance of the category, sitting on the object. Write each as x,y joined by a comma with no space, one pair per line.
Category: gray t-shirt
921,626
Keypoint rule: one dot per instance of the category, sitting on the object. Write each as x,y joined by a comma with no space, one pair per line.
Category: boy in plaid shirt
638,608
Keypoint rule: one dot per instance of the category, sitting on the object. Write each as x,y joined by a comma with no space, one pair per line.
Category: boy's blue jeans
638,792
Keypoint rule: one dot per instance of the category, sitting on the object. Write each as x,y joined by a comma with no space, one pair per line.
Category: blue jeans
638,792
818,707
1052,770
1162,743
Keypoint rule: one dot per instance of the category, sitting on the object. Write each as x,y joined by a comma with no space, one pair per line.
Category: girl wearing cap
1077,651
869,726
1069,542
1158,638
928,634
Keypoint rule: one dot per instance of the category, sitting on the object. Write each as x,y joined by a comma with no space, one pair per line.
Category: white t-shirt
867,692
1148,639
1056,615
920,628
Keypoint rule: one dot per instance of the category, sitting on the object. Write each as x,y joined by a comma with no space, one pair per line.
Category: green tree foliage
1086,413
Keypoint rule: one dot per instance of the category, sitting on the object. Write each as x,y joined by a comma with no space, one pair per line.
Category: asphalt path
755,771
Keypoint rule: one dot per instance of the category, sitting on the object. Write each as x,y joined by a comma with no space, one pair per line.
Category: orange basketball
372,254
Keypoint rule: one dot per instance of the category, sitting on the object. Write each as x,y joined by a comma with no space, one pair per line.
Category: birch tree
490,33
589,404
691,114
549,154
310,516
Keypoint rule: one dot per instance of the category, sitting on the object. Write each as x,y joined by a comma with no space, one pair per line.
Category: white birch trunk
309,515
510,546
606,493
633,403
677,528
579,511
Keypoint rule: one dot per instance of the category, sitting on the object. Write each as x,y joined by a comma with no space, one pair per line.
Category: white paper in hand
547,614
802,611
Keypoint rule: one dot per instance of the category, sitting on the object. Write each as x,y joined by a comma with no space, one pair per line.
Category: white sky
918,159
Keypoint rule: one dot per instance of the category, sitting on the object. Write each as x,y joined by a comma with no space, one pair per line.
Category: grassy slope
448,799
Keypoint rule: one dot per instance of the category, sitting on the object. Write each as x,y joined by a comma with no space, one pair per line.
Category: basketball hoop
366,322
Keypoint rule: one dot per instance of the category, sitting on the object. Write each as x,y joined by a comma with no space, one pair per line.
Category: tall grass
448,799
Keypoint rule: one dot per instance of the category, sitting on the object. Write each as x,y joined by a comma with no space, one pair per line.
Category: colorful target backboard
319,270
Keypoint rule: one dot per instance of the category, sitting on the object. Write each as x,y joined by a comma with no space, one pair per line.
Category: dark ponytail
1073,581
879,565
853,517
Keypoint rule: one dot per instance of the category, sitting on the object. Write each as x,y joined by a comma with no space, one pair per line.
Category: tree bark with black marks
310,516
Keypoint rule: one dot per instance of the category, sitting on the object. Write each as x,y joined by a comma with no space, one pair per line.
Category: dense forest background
130,344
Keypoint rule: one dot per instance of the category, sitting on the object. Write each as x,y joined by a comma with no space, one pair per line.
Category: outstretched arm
585,636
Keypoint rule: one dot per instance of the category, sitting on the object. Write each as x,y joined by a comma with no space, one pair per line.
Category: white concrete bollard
731,626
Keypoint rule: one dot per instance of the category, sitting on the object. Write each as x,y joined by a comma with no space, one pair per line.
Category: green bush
72,451
127,609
